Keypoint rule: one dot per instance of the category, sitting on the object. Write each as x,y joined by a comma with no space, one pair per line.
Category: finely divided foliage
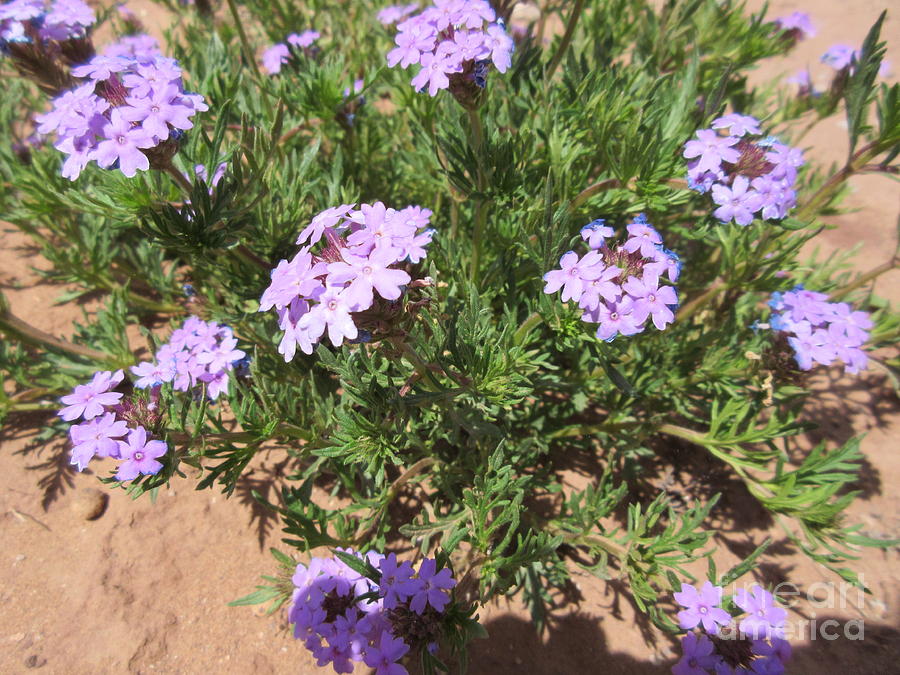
390,284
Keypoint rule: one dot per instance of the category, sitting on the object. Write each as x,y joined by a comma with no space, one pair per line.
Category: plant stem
694,305
833,184
591,190
863,279
179,178
245,43
577,9
25,332
525,327
482,182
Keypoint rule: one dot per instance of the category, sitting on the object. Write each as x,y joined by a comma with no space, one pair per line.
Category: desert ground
144,588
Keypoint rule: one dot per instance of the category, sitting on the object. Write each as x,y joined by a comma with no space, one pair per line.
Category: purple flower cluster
619,288
104,430
394,13
131,107
198,353
278,54
756,645
452,40
819,331
797,25
360,257
841,56
747,177
340,628
25,21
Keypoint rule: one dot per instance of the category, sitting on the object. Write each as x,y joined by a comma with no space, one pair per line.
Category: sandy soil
144,587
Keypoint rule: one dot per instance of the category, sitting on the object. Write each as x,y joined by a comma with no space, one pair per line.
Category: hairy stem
14,326
865,278
859,160
482,182
525,327
577,9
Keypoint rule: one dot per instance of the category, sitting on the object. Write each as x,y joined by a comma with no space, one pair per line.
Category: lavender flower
619,288
765,618
341,630
276,56
90,400
451,41
357,264
746,177
130,103
139,455
756,647
96,438
701,607
820,331
199,353
698,657
798,25
394,13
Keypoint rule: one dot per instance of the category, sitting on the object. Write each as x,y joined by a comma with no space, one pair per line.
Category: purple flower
151,374
396,581
501,46
434,73
123,143
412,40
368,274
573,274
765,618
799,22
712,150
333,313
701,607
432,587
139,455
736,203
96,437
839,56
159,110
327,219
643,237
393,14
698,657
89,400
275,57
737,125
67,19
595,232
304,39
651,300
616,319
102,67
384,657
786,160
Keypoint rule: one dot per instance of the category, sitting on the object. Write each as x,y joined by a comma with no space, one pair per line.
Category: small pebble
90,503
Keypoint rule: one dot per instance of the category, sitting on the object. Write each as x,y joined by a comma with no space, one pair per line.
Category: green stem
482,182
245,43
863,279
14,326
566,40
591,190
691,308
833,184
591,429
525,327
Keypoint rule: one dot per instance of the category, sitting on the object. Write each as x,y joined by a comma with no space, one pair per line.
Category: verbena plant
401,240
